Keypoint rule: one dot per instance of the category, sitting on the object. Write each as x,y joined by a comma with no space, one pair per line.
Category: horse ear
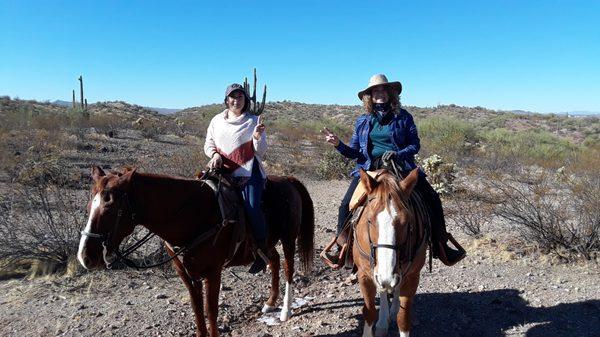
407,184
125,178
97,173
367,180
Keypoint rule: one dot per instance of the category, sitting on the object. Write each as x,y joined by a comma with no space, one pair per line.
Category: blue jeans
252,195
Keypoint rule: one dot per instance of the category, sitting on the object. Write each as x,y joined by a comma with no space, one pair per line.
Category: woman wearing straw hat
387,132
236,142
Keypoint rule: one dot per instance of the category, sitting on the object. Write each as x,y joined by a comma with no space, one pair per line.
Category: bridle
126,204
372,255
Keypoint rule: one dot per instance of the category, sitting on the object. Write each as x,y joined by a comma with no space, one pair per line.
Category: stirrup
328,258
442,252
261,262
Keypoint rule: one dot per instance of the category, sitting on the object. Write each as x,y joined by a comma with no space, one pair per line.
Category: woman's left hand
388,155
259,128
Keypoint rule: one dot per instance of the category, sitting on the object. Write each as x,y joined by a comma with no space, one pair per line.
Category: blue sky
540,56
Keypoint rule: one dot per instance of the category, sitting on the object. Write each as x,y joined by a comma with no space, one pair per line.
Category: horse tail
306,234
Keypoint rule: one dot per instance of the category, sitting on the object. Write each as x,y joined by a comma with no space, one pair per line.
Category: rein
122,256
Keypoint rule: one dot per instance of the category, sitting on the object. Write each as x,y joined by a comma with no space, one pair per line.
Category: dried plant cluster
46,148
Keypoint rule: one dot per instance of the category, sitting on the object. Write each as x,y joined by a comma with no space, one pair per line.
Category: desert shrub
471,212
105,123
562,217
530,146
185,162
40,225
440,174
332,165
150,132
449,137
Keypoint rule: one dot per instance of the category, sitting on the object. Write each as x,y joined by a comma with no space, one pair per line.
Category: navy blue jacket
404,137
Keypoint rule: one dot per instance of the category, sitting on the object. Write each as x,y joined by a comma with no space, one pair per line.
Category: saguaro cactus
255,108
81,91
74,102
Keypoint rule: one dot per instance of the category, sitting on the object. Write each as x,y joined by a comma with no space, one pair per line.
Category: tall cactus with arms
255,108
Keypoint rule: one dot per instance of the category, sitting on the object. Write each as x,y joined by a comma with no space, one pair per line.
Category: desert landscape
521,192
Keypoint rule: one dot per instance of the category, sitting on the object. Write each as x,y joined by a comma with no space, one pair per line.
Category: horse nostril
86,261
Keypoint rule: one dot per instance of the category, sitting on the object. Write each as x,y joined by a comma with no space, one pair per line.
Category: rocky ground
493,292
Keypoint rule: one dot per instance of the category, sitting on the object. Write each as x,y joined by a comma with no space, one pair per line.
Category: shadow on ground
492,313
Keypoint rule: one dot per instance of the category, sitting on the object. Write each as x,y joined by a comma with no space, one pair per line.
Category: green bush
531,146
334,166
449,137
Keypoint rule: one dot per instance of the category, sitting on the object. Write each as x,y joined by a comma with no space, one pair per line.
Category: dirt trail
491,293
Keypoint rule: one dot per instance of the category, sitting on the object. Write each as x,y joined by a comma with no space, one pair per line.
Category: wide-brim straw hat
380,79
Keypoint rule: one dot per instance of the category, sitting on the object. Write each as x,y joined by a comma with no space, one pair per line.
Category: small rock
161,296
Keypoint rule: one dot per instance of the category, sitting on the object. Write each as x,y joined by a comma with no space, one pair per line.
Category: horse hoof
285,315
267,309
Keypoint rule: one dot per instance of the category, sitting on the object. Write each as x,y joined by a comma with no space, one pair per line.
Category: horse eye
106,197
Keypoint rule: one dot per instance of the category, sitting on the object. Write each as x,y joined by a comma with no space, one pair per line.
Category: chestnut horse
184,213
390,242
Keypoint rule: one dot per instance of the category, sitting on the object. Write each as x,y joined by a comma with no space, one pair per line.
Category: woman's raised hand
259,128
330,137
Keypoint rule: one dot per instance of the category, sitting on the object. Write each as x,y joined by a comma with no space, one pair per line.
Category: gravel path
490,293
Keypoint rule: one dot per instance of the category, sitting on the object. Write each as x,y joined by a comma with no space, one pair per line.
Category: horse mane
388,187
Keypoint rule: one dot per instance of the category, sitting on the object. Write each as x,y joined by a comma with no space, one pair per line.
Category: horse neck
162,200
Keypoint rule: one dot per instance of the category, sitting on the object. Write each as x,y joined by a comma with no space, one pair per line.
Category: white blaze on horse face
88,228
386,257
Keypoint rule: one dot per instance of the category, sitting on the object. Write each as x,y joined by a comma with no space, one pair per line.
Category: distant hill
303,117
580,113
62,103
163,111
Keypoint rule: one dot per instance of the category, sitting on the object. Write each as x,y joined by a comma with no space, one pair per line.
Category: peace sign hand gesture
259,128
330,137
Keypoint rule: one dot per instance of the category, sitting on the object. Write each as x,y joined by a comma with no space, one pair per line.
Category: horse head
386,224
111,217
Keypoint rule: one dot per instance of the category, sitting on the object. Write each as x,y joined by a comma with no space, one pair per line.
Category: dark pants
252,196
344,210
436,212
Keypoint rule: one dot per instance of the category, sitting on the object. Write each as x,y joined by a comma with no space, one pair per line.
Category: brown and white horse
182,210
389,250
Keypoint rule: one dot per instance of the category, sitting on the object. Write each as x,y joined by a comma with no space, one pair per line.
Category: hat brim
397,86
238,89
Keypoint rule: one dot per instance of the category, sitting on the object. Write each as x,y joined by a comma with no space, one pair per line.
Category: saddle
231,210
344,239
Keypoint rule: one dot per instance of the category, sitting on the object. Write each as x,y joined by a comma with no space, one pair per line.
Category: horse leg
213,286
395,308
274,292
381,328
367,288
195,290
288,264
407,293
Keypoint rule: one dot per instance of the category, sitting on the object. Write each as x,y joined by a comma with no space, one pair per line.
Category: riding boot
439,235
261,258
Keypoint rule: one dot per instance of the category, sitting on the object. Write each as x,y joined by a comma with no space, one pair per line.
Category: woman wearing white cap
388,132
236,142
